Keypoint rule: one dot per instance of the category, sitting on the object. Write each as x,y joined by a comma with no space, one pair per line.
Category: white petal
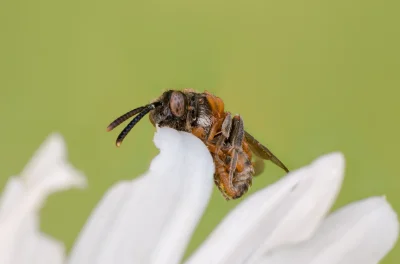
23,196
10,197
51,160
286,212
151,219
362,232
33,247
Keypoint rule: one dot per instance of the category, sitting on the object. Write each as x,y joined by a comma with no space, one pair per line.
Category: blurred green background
308,77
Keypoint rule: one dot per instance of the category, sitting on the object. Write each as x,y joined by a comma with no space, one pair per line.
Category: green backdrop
308,77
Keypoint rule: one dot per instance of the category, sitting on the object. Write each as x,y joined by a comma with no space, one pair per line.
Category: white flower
151,219
47,172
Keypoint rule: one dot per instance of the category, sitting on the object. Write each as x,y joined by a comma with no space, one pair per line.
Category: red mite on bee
203,115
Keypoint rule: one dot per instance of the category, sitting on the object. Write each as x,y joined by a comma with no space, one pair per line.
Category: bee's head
168,110
172,109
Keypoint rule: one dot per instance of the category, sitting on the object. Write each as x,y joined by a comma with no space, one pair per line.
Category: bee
203,115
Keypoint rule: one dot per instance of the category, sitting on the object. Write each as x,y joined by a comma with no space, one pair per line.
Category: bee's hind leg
232,183
236,138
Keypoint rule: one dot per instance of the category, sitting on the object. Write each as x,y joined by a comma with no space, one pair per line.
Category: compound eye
177,104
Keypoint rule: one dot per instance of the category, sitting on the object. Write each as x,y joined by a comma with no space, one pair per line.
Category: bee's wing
262,152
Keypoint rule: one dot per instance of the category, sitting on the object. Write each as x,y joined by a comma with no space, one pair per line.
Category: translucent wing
263,152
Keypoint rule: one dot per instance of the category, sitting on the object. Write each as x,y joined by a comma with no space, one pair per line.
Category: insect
203,115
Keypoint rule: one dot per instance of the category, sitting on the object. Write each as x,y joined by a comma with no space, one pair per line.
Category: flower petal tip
79,179
388,212
50,168
166,137
381,203
333,162
334,159
56,137
167,140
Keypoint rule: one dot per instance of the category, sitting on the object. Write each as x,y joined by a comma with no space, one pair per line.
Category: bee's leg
199,132
223,178
237,133
219,124
236,138
227,125
218,113
234,178
214,128
220,179
258,164
225,131
213,149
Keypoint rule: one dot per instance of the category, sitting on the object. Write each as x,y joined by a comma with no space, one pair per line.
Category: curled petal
151,219
288,211
362,232
50,160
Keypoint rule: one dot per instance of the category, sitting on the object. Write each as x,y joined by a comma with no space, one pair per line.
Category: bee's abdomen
241,182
